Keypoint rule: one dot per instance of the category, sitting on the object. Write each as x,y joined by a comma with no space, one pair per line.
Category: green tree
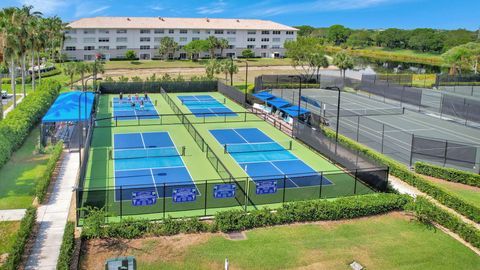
229,67
474,55
212,67
360,39
457,59
302,53
9,29
338,34
70,69
130,55
343,61
168,47
457,37
319,61
247,53
222,44
195,47
393,38
425,39
212,45
304,30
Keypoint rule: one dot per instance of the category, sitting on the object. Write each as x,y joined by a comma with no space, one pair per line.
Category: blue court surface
205,106
263,159
124,110
148,162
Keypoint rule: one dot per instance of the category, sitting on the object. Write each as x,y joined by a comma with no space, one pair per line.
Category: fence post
445,155
355,183
165,199
321,183
205,194
247,190
358,127
383,137
411,150
284,187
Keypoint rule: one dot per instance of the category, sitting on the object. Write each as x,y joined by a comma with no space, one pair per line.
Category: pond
371,65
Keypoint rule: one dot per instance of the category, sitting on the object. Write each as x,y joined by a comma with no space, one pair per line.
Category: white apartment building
113,36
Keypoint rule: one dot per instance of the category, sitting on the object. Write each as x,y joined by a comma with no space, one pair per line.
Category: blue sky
445,14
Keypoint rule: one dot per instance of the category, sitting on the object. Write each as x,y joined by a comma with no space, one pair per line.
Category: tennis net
365,112
146,152
203,102
257,147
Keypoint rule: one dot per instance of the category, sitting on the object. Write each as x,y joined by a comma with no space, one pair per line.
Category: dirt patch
452,184
3,258
148,249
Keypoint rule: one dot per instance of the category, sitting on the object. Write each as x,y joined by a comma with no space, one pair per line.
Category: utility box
121,263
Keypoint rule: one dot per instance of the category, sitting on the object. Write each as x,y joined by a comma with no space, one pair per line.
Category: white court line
139,169
284,174
154,184
143,142
243,138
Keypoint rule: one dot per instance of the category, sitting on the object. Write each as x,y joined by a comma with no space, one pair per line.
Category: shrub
448,174
18,123
45,179
23,234
401,171
426,210
28,79
248,53
67,247
130,55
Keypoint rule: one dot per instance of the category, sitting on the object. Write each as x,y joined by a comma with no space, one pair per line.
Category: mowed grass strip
468,193
392,241
19,176
8,230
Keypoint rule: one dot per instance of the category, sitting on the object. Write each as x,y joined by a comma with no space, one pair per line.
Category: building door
144,56
183,56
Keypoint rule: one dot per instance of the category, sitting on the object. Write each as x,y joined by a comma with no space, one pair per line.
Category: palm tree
231,68
222,44
212,45
212,67
167,46
70,69
8,18
82,68
343,61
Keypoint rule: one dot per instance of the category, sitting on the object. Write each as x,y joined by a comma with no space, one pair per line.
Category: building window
171,31
276,39
104,47
231,46
121,47
145,39
157,39
183,31
69,39
207,32
264,47
183,39
289,32
251,32
275,46
231,39
88,40
251,39
218,32
145,47
103,39
250,46
88,57
121,31
144,31
231,32
70,48
89,48
265,39
103,31
265,32
89,31
70,31
196,32
276,32
122,39
195,38
158,31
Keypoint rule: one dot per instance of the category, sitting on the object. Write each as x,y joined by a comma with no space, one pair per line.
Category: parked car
4,94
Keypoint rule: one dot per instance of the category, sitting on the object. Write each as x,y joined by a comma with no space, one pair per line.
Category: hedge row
401,171
46,177
67,247
18,123
28,79
449,174
426,210
342,208
23,234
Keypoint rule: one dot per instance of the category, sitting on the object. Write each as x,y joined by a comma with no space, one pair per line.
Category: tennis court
125,109
266,160
205,106
144,162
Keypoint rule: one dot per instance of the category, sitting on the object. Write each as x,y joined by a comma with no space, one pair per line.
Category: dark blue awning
278,102
264,96
293,111
66,107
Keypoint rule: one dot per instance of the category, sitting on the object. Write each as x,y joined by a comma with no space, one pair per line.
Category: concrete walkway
52,217
9,109
12,214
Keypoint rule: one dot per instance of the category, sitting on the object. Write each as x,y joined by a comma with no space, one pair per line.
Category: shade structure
293,111
264,96
278,102
70,107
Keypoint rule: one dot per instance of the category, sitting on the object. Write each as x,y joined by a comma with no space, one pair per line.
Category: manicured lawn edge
18,123
67,247
24,232
233,220
401,171
28,79
428,211
448,174
44,180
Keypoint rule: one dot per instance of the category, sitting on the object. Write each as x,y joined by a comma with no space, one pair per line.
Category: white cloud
86,9
214,8
157,8
99,10
47,7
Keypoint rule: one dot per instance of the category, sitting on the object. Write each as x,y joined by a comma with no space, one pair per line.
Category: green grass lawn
404,52
467,193
382,242
8,231
189,64
18,177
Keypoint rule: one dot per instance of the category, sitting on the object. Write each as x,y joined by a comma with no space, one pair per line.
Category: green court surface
205,168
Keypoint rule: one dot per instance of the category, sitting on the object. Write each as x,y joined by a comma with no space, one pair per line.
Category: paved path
12,214
52,217
9,109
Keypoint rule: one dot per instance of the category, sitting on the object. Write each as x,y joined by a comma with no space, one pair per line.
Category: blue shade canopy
293,111
278,102
66,107
264,96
